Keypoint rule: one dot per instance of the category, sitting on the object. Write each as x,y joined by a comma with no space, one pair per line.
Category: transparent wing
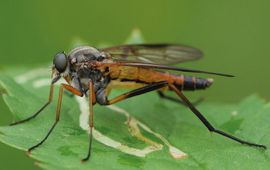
153,53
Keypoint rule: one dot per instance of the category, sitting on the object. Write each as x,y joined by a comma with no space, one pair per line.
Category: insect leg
92,99
164,96
122,85
136,92
58,109
39,111
207,123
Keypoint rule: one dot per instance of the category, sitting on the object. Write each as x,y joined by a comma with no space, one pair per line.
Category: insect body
94,73
86,63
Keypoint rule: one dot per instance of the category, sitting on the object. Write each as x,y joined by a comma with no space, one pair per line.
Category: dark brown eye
60,62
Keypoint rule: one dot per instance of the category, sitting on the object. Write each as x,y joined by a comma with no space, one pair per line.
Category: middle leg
92,100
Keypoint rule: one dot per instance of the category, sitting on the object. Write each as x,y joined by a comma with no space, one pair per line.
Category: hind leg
207,124
164,96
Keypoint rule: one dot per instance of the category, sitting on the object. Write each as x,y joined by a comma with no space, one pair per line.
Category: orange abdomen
148,76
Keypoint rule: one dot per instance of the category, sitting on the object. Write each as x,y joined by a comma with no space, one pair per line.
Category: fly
95,72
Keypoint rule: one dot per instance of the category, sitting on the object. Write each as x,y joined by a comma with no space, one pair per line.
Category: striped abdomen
193,83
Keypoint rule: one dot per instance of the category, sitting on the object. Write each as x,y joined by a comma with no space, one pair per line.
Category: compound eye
60,62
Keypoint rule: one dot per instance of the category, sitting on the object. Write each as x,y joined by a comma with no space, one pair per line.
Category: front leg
39,111
58,111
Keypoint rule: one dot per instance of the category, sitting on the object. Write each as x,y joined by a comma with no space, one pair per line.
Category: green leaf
68,143
135,134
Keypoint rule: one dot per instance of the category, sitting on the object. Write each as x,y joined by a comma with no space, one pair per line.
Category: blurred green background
234,36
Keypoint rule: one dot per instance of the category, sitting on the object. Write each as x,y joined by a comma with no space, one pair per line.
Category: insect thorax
81,72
